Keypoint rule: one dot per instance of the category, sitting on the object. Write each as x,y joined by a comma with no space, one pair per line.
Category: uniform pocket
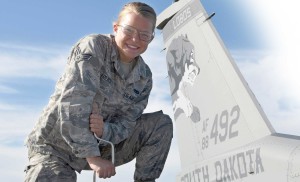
64,111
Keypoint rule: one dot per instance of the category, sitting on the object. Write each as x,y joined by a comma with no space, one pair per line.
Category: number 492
223,126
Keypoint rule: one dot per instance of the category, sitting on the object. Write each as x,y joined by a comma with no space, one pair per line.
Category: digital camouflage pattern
91,76
149,143
48,168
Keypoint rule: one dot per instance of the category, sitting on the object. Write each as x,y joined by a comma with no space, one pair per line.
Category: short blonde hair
139,8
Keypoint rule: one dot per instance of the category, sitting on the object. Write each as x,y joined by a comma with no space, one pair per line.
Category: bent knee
167,120
157,120
165,123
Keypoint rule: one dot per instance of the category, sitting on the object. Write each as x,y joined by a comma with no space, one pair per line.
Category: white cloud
13,161
7,90
16,125
27,61
17,61
7,107
16,122
275,91
274,75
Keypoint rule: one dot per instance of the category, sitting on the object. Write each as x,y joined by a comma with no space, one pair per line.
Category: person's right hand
96,121
103,168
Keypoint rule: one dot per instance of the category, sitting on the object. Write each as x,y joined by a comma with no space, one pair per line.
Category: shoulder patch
83,57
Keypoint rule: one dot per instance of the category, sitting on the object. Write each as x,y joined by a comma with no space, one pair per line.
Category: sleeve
79,87
119,128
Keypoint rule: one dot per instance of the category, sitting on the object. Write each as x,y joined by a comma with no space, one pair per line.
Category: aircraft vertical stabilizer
214,109
223,133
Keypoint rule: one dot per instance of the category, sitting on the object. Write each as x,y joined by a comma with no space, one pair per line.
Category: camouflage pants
149,144
48,168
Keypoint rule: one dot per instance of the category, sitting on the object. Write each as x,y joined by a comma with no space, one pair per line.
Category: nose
135,36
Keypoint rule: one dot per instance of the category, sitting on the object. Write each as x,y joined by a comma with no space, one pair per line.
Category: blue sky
36,36
51,22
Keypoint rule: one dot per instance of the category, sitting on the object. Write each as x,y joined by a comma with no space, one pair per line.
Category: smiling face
191,69
131,46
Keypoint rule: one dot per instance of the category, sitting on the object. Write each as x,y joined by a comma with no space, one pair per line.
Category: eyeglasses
143,35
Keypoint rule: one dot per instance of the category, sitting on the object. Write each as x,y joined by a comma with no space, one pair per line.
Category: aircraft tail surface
214,109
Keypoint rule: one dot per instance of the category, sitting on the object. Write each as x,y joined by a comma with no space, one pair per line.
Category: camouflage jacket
92,75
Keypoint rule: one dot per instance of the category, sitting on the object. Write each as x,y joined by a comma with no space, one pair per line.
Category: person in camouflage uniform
104,90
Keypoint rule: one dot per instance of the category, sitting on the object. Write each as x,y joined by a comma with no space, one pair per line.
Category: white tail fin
214,109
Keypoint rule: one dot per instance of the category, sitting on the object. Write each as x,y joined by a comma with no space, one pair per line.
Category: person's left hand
96,121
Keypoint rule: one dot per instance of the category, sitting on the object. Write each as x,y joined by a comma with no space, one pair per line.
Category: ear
115,27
